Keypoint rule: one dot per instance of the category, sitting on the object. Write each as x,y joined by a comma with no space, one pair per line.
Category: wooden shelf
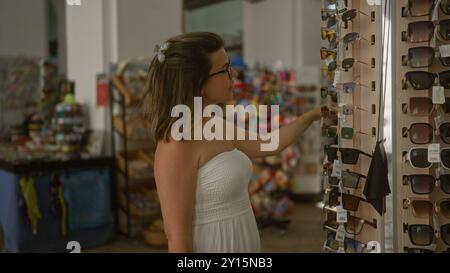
119,83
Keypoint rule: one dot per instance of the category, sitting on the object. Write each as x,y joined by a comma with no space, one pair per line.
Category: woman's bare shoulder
184,152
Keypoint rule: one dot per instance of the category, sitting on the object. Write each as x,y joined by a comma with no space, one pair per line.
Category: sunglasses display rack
351,87
421,139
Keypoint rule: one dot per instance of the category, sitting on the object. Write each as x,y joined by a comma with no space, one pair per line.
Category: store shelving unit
404,217
135,198
367,74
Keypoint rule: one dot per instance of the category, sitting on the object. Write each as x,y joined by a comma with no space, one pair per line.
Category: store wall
144,23
286,31
23,28
109,31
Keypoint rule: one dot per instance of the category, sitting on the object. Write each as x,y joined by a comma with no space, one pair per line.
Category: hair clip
159,50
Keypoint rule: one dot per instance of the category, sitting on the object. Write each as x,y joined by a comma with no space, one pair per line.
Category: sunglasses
423,80
350,245
423,31
423,235
349,180
347,64
329,92
418,8
354,225
350,87
325,53
346,133
445,7
349,202
418,158
422,208
425,184
349,156
353,37
329,34
422,57
423,133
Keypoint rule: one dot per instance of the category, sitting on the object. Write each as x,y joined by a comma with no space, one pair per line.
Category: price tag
337,78
444,50
434,151
337,169
340,234
341,7
341,215
438,95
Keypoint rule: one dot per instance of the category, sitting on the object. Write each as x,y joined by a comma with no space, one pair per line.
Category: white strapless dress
223,217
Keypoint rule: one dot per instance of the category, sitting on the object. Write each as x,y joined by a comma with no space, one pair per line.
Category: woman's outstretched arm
287,136
176,176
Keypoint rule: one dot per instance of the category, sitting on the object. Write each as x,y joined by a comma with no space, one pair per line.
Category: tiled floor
305,235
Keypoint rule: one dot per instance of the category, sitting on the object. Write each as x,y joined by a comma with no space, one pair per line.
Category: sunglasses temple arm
365,14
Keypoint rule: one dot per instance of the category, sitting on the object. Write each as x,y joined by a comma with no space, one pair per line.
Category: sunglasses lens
331,242
421,235
422,208
445,208
445,158
350,180
334,197
349,87
354,225
445,29
421,133
332,66
444,132
350,156
419,158
421,80
420,31
421,57
351,37
420,8
420,106
445,183
444,79
419,251
446,107
347,133
353,246
331,220
349,15
445,234
445,7
348,63
422,184
350,202
329,132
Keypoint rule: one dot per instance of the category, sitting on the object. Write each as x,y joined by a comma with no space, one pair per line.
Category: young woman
203,185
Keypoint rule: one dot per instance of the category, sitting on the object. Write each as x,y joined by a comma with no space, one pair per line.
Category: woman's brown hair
178,79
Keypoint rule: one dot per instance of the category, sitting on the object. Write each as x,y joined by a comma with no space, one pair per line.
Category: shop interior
76,156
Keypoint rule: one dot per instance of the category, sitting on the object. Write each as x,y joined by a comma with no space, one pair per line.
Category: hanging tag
326,181
374,247
341,7
444,51
337,169
326,199
341,250
439,120
341,215
434,151
435,14
438,95
340,234
337,78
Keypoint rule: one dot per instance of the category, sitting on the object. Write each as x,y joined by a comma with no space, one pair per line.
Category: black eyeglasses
227,70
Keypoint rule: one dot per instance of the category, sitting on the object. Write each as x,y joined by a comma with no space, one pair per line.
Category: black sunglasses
349,156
